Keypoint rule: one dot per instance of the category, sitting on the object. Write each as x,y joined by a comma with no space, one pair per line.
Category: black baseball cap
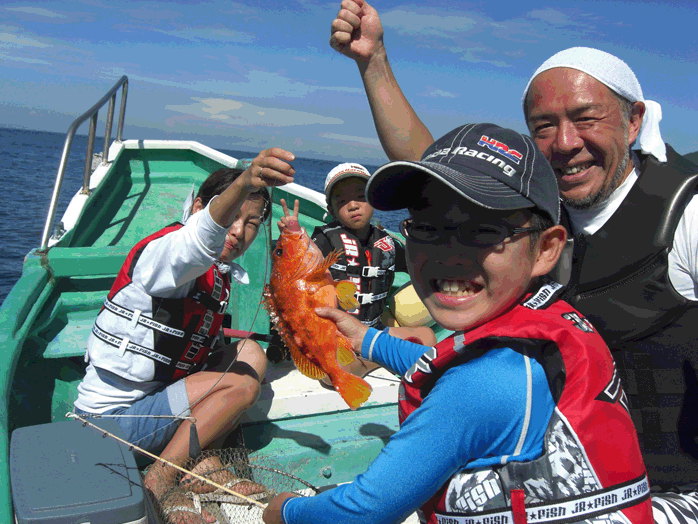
493,167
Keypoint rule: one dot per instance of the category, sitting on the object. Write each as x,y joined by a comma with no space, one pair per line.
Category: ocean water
28,166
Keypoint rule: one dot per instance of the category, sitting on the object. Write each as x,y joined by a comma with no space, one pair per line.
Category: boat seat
79,261
71,341
70,323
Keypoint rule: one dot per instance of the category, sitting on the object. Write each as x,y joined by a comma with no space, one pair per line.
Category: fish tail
354,390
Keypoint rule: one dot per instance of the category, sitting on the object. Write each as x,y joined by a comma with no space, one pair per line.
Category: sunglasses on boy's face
474,235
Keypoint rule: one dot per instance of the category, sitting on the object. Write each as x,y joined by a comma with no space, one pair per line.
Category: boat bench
70,322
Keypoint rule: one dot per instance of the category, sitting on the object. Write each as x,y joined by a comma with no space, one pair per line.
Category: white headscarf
619,78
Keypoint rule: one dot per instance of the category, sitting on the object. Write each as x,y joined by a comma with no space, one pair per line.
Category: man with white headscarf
631,205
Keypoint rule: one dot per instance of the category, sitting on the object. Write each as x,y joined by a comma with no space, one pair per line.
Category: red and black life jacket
372,270
591,463
142,338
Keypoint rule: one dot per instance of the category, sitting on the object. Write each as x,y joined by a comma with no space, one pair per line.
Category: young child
370,256
149,345
519,416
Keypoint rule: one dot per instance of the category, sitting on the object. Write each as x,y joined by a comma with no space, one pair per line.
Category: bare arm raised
357,32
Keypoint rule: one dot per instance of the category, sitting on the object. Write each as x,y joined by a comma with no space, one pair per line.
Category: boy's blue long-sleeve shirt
473,417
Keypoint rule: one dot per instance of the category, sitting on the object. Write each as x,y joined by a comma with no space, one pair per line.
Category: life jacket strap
574,509
373,271
125,344
371,323
210,303
370,298
144,320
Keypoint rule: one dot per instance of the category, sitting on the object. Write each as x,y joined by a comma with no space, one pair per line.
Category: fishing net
229,484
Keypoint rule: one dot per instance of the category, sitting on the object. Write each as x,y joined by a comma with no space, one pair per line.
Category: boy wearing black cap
520,416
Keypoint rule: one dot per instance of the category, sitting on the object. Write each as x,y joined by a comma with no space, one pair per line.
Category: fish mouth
310,259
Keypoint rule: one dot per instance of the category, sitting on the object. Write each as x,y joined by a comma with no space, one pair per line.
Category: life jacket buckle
371,272
364,298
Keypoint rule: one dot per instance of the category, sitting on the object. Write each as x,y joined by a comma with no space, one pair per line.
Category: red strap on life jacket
518,508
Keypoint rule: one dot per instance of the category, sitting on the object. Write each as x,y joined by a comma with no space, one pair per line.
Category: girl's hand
270,168
283,222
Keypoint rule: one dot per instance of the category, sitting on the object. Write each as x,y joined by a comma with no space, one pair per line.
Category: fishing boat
133,189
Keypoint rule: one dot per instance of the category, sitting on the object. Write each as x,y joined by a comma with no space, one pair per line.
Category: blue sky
250,75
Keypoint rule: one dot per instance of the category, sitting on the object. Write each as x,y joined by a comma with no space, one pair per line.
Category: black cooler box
67,473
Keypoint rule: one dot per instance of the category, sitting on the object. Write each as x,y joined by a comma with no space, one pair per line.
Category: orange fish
300,282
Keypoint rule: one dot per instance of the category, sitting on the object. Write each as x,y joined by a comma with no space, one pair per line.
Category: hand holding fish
347,325
357,31
269,168
284,220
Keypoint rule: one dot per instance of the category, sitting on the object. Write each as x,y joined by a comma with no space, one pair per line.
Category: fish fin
304,364
344,355
345,295
354,390
319,272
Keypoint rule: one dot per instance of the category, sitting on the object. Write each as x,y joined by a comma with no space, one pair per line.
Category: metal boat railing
92,114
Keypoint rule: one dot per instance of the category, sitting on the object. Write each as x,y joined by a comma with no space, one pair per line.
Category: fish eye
278,252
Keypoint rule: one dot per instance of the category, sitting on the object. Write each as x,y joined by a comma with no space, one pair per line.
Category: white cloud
435,92
24,59
19,41
234,112
480,55
38,11
419,21
552,16
219,105
257,83
352,140
480,38
212,34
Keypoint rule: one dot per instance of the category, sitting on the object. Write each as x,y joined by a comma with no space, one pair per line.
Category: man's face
577,123
464,286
